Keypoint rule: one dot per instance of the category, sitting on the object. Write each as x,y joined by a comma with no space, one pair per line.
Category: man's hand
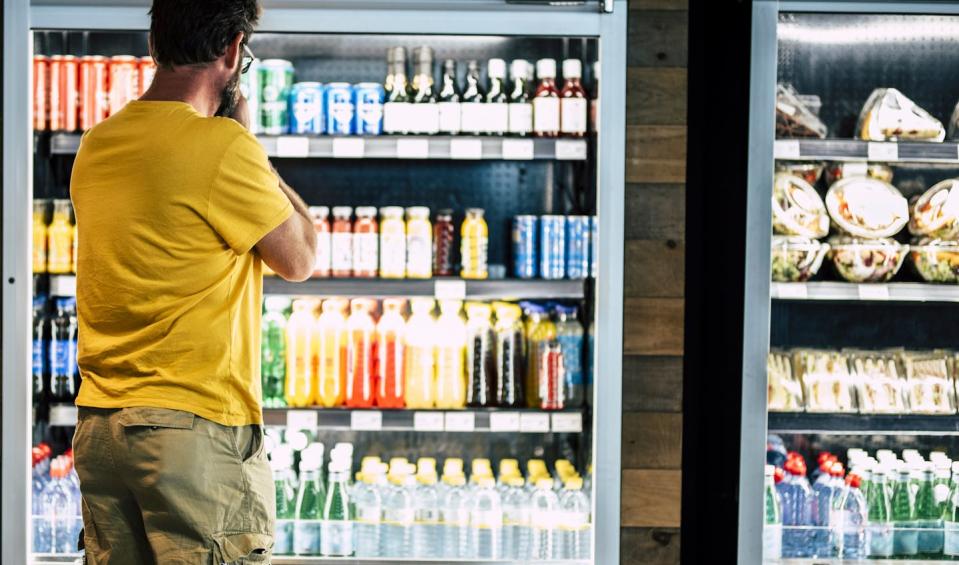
242,112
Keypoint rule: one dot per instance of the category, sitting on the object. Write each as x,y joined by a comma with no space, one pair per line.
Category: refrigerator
331,41
831,339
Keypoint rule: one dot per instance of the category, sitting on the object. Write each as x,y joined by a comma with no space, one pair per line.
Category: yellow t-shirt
169,205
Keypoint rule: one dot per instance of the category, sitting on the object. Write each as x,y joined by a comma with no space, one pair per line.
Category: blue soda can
524,247
577,247
368,97
339,108
593,247
552,247
306,108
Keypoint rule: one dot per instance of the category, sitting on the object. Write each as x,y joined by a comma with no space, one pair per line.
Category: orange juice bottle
39,236
359,365
420,372
60,239
450,356
299,354
390,368
331,354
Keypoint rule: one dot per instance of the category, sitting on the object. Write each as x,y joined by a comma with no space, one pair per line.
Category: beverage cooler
465,170
849,430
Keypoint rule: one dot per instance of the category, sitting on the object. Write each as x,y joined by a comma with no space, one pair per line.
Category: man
176,208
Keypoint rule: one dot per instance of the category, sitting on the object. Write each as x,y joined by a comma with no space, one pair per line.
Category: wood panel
653,326
656,154
650,546
655,268
656,211
651,498
657,38
652,440
652,384
657,96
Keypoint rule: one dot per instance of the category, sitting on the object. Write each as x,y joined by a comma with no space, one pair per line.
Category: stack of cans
554,247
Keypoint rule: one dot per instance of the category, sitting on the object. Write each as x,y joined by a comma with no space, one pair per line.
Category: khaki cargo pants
170,488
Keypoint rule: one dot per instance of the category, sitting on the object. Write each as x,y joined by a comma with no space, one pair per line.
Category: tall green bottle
337,534
273,352
281,460
879,533
928,514
950,548
905,539
309,503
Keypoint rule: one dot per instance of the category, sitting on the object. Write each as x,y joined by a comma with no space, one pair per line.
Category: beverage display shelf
863,424
896,292
453,288
946,153
59,559
829,561
397,147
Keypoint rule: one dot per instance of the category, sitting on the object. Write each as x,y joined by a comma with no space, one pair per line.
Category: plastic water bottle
797,497
455,510
309,503
824,489
543,508
773,527
569,333
368,502
516,530
283,478
42,523
426,528
399,514
336,539
850,521
58,511
576,530
486,521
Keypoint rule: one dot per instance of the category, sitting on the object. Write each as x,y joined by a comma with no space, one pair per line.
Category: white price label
792,291
63,415
504,421
450,290
428,421
570,150
301,420
518,149
466,149
568,423
348,147
368,420
882,151
63,285
412,148
873,292
534,423
290,146
460,421
786,149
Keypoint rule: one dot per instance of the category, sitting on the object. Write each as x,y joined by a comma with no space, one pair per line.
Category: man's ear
234,53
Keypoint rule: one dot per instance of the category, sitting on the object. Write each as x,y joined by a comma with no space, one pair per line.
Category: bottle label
392,254
574,115
424,118
521,118
62,357
495,118
61,250
880,538
324,254
396,117
365,252
341,251
449,117
306,537
40,250
474,253
399,516
951,539
473,118
546,115
594,115
419,255
572,358
38,348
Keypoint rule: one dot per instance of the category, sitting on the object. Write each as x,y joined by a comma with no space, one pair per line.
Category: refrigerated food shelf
946,153
303,560
901,292
862,424
451,288
396,147
827,561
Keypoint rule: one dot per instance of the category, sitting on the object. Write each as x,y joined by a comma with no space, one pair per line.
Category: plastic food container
827,384
793,117
931,388
809,172
936,213
867,208
889,115
840,170
935,260
783,388
796,259
861,261
798,208
881,382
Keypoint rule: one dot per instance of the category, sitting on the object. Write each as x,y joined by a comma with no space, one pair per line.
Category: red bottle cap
796,466
853,480
779,475
836,469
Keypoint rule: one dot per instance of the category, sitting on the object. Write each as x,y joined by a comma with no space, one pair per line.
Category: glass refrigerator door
339,145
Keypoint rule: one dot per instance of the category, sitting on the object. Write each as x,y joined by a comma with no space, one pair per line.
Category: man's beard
229,96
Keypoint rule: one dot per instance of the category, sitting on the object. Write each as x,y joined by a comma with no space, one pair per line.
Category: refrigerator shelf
58,559
894,292
396,147
863,424
946,153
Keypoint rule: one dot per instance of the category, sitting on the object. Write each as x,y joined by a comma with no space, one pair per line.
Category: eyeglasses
248,58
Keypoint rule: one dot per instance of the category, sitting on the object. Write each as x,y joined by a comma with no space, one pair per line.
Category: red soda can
93,91
147,68
63,93
41,92
551,376
124,79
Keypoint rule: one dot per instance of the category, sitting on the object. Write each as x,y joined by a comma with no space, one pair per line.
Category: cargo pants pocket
241,549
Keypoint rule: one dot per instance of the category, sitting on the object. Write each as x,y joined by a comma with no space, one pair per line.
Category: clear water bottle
310,497
281,460
368,502
543,510
455,510
58,511
399,514
42,522
486,521
426,528
824,489
796,496
569,333
850,521
577,532
516,529
336,539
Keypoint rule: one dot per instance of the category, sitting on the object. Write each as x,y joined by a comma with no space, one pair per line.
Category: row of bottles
320,357
54,237
55,374
55,499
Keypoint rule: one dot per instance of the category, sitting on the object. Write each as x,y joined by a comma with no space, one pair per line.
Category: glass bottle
331,354
396,109
573,100
950,518
390,365
472,114
594,114
546,117
497,99
390,62
300,352
273,351
60,239
540,331
450,356
392,243
520,108
474,245
309,507
420,355
359,364
426,112
879,535
449,100
569,333
928,515
480,367
444,234
63,350
341,241
905,535
510,355
40,236
284,479
336,539
365,243
323,257
419,243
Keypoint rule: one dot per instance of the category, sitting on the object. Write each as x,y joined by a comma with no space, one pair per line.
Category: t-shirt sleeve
246,202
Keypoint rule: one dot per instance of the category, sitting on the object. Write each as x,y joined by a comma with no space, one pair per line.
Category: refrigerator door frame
609,28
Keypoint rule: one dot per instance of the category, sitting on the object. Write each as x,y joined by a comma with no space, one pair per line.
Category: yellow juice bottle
39,236
331,354
419,243
392,243
420,371
474,245
60,239
450,356
300,342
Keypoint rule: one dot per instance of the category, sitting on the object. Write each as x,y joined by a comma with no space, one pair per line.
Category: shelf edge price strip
366,420
466,149
794,291
63,415
428,421
348,148
412,148
571,422
873,292
570,150
786,149
882,151
292,146
504,421
534,423
460,421
450,290
297,420
518,149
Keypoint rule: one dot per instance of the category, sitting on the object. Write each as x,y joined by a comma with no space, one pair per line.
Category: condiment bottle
546,120
322,263
365,243
573,101
342,242
444,232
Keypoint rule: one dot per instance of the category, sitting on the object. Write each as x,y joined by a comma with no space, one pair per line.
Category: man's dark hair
188,32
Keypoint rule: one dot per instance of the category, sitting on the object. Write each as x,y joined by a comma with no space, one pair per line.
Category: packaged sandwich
880,382
809,172
936,260
827,384
889,115
866,260
797,208
843,170
931,388
784,393
936,212
793,117
867,208
796,259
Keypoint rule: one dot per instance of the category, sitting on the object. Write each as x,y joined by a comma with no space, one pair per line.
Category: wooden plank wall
654,280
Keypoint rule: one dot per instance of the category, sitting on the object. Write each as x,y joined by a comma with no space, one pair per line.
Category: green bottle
950,518
928,514
905,539
773,528
309,503
879,533
281,460
273,351
337,536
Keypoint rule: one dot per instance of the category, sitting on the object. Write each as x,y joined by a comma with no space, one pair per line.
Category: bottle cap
546,68
496,68
319,212
853,480
769,470
478,310
444,213
544,483
486,482
391,212
418,212
298,440
572,68
475,212
277,303
519,68
456,480
453,307
574,483
365,211
596,70
396,304
342,212
423,54
515,481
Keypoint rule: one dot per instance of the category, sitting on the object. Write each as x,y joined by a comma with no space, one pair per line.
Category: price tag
883,151
534,423
428,421
786,149
450,290
570,150
63,285
460,421
301,420
518,149
348,147
504,421
571,423
466,149
290,146
412,148
873,292
63,415
367,420
792,291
